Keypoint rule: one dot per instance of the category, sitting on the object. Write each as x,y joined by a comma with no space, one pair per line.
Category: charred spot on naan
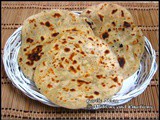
122,13
105,35
24,49
64,41
78,67
79,41
121,61
66,49
51,28
30,63
101,17
106,51
82,82
41,23
74,29
50,70
60,65
135,42
35,55
90,24
20,59
70,30
32,20
56,15
72,90
72,69
29,40
127,47
55,34
121,45
70,37
115,79
56,47
47,24
92,52
90,38
114,41
57,81
103,84
71,56
114,11
62,58
113,23
89,97
77,45
52,79
83,53
100,76
88,11
113,65
67,61
86,75
34,68
65,89
109,30
135,55
73,80
49,86
42,38
74,61
126,24
35,25
96,93
112,86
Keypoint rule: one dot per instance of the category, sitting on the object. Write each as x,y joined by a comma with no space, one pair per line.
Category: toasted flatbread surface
115,25
43,29
81,67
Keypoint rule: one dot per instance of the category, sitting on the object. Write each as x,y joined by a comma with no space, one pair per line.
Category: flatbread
115,25
73,59
40,30
82,68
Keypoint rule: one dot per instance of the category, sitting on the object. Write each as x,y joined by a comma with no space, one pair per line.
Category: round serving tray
132,87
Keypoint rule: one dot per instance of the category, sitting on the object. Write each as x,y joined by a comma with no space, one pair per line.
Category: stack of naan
74,58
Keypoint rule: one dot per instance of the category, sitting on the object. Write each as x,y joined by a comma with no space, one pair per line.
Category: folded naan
115,25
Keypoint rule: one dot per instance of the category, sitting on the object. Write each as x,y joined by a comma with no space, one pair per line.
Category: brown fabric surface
15,105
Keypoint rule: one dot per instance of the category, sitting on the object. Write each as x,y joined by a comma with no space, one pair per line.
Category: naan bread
40,30
73,59
80,67
115,25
